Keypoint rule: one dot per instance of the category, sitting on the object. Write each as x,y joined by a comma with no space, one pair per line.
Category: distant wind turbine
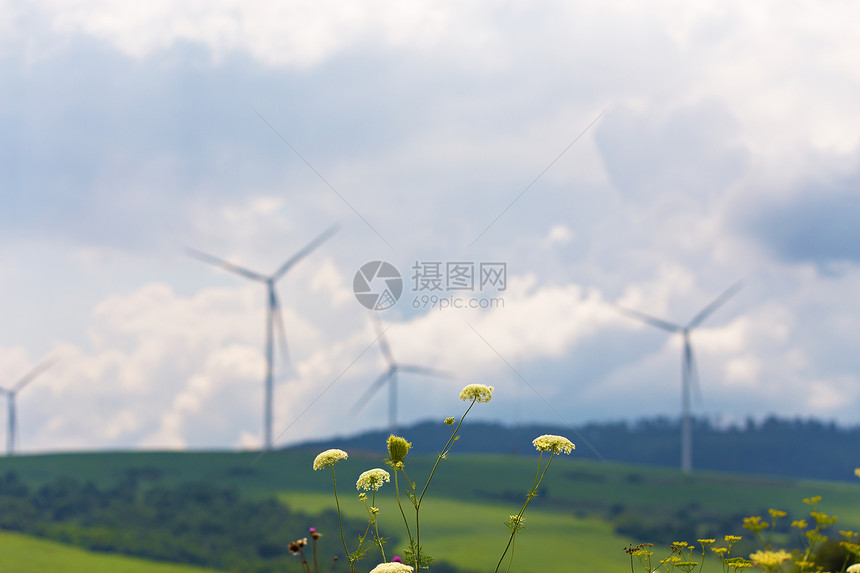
11,392
390,377
689,373
273,314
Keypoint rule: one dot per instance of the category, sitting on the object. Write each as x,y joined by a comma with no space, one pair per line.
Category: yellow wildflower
770,560
554,444
397,448
754,523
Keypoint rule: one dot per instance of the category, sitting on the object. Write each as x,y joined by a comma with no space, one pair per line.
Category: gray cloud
819,223
690,152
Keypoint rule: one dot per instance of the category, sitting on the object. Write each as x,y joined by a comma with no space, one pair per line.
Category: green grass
472,535
580,485
472,495
571,484
23,554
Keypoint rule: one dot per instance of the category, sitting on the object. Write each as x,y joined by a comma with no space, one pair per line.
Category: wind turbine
273,314
390,377
689,374
11,392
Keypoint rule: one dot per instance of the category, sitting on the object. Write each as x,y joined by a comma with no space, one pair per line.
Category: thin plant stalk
316,568
340,522
511,558
518,519
417,501
413,541
445,451
403,513
375,524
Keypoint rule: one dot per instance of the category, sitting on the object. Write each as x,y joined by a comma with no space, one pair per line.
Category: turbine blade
718,302
647,319
383,342
424,370
32,374
278,318
310,247
213,260
370,392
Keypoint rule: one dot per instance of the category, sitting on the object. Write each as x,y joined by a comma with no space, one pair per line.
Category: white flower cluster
372,480
392,568
329,458
476,392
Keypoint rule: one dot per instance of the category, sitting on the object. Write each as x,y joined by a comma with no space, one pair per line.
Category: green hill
585,511
769,447
24,554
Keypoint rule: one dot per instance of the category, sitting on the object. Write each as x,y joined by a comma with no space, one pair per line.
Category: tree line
193,523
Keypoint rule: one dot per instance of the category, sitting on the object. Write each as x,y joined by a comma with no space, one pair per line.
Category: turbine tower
11,392
274,319
689,374
390,377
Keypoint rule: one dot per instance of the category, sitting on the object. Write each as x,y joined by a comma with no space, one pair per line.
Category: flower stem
417,501
316,568
400,505
339,521
532,493
375,525
444,451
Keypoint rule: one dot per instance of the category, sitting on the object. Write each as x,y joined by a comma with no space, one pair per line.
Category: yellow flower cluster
397,448
329,458
554,444
755,523
770,560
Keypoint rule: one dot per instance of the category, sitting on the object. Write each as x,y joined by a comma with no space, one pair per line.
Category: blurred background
644,156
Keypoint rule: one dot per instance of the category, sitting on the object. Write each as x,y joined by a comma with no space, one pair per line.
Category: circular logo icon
377,285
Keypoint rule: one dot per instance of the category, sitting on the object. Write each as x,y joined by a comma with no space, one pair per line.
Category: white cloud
428,119
558,235
300,33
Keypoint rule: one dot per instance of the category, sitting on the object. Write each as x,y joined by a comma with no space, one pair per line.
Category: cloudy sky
644,155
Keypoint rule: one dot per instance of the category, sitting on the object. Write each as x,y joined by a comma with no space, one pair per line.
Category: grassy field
574,484
472,535
23,554
471,497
